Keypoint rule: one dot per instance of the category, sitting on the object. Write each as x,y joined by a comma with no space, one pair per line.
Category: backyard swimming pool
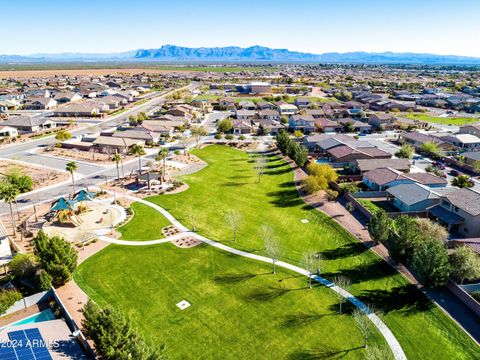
44,315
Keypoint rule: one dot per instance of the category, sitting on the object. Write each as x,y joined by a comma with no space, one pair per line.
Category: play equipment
82,197
65,209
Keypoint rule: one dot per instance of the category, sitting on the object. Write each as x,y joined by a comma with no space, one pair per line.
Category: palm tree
138,151
71,167
162,156
9,193
117,158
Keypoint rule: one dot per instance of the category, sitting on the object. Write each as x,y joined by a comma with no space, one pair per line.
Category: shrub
218,136
229,136
350,188
44,280
8,298
331,194
22,265
241,137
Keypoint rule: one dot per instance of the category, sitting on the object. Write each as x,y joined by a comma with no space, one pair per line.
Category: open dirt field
21,74
41,177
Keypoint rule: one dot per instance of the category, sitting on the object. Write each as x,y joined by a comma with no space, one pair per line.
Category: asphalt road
87,175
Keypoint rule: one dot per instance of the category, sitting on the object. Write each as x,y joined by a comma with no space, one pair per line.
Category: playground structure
65,212
83,217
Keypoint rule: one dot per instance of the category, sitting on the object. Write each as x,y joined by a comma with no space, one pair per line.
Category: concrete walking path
392,342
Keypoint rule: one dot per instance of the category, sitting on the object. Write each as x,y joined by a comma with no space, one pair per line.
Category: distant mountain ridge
173,53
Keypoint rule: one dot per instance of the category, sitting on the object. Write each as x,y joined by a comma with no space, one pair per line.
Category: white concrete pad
182,305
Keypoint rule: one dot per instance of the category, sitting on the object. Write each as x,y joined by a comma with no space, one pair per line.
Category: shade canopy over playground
62,204
84,195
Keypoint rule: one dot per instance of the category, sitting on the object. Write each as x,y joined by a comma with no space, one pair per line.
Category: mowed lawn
444,120
230,182
239,309
146,224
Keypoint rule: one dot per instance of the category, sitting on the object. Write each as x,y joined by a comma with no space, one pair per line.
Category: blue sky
435,26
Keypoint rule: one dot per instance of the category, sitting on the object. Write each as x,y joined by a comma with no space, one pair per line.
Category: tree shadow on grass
373,271
288,185
406,299
323,352
347,250
235,278
285,198
278,172
234,184
275,166
269,294
302,319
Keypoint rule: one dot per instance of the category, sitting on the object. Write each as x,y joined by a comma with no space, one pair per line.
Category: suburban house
242,126
8,131
418,139
323,142
382,178
39,103
473,129
265,105
269,114
286,108
29,124
226,104
355,125
415,197
245,114
364,165
316,113
463,141
247,105
111,144
138,134
350,153
77,110
472,158
304,123
382,121
327,126
302,102
272,126
63,97
459,211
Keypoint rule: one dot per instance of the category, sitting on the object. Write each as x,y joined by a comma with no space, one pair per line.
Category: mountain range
173,53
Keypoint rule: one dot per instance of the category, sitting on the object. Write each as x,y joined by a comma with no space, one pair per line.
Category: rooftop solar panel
25,344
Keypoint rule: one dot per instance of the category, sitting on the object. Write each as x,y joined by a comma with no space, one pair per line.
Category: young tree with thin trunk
344,283
117,158
71,168
363,324
198,132
260,166
273,249
311,263
138,151
234,220
184,142
162,156
9,193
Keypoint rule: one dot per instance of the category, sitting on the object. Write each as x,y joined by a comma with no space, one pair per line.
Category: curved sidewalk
392,342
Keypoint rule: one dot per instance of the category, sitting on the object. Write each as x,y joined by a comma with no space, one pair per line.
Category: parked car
439,165
454,172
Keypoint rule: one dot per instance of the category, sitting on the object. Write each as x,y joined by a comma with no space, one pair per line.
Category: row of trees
114,337
295,151
421,244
